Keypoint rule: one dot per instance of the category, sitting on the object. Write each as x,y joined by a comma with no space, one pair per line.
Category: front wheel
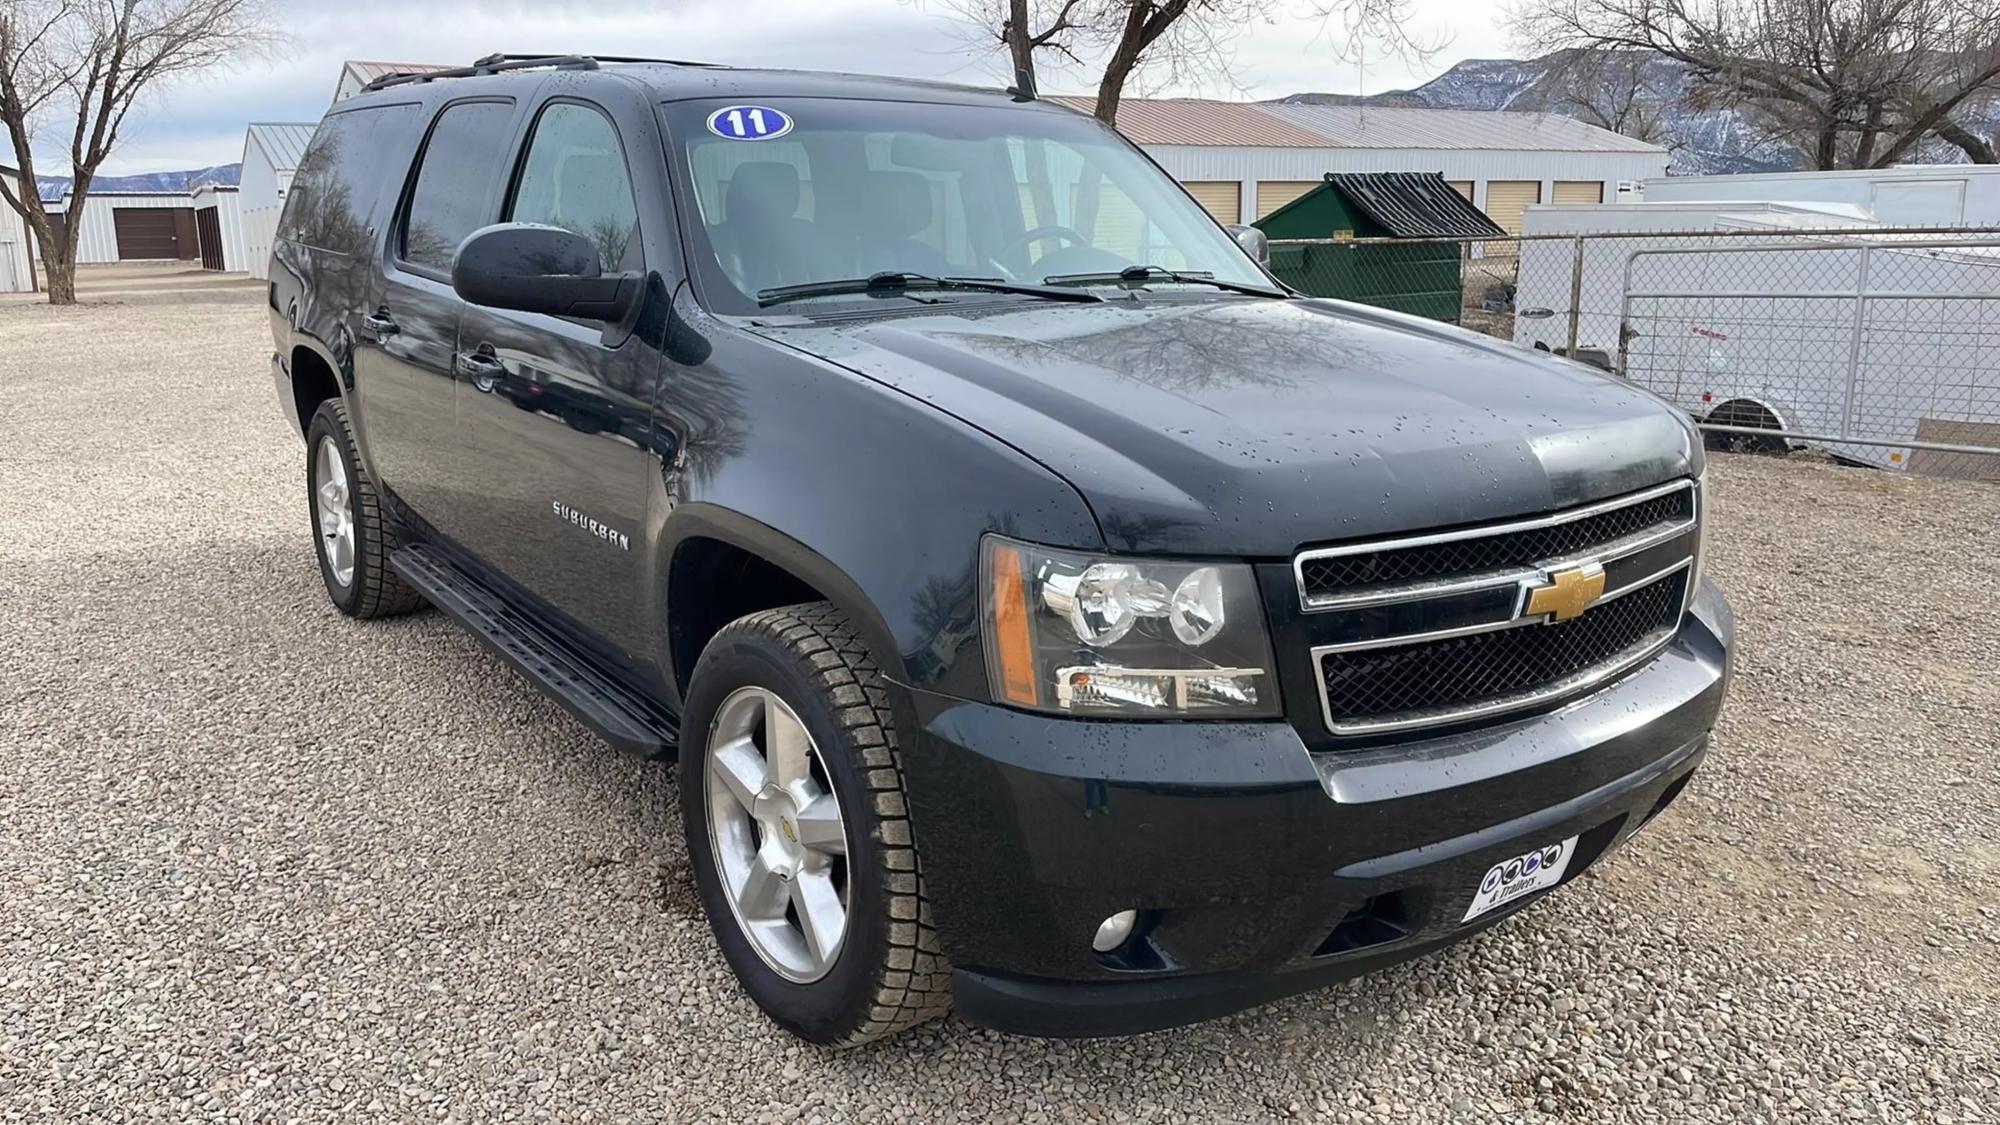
792,798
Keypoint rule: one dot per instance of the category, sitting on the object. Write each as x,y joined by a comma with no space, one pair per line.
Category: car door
555,413
405,376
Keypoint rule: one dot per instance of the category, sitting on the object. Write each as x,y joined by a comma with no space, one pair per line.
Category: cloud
200,122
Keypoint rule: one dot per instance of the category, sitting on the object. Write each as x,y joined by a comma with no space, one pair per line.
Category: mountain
52,187
1701,141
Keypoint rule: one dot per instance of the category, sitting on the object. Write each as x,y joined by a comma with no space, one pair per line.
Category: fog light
1112,932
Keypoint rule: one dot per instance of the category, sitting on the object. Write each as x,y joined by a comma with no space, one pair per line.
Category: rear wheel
792,797
351,539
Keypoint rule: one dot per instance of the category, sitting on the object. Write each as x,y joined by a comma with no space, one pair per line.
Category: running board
621,716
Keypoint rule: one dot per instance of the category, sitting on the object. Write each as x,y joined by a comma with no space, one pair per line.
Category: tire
887,974
368,588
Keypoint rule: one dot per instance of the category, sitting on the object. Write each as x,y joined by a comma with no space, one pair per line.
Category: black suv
1049,612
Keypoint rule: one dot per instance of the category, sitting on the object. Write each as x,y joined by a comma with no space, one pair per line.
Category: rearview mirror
528,267
1253,241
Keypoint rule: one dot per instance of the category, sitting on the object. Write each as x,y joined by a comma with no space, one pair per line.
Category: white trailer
1741,317
1919,195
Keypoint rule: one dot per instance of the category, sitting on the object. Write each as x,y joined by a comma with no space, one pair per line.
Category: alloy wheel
335,505
776,833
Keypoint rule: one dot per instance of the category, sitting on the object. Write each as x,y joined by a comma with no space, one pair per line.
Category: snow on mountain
1702,141
52,187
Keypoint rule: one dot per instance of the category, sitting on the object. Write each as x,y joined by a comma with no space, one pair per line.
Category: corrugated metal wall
14,268
1187,162
97,239
1274,176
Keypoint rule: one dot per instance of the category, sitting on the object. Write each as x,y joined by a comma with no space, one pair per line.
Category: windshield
795,191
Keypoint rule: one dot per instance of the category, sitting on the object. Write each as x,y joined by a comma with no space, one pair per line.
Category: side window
461,160
341,175
575,178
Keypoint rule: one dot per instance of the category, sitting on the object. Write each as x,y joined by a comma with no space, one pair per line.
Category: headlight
1086,635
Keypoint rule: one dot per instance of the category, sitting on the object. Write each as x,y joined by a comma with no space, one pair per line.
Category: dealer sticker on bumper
1523,875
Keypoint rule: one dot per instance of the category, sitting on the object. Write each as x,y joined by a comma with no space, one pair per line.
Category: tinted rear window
460,163
352,158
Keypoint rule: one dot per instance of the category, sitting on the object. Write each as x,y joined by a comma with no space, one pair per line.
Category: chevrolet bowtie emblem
1566,592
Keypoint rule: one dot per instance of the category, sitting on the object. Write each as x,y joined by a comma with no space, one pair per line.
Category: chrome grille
1435,629
1325,575
1498,666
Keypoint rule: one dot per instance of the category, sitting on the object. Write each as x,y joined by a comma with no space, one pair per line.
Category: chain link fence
1877,347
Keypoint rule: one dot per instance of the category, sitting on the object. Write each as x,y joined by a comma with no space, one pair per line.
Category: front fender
875,498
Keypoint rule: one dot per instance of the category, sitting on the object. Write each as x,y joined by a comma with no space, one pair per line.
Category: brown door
208,227
146,232
185,240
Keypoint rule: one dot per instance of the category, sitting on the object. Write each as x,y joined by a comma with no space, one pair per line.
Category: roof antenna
1023,88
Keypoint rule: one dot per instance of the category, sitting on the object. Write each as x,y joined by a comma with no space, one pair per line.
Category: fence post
1854,343
1575,292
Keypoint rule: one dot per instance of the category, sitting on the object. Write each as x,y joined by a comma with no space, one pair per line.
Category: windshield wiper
889,283
1161,273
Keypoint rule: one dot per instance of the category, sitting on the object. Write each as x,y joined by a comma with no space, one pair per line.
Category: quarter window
575,178
460,163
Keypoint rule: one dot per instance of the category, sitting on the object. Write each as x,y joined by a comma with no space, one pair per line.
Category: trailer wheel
1744,412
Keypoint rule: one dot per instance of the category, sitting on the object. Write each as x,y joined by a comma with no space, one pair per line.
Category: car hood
1248,427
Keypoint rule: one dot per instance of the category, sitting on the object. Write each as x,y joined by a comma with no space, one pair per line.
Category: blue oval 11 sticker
749,123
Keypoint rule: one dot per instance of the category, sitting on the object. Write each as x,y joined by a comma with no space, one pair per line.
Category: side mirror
1253,241
528,267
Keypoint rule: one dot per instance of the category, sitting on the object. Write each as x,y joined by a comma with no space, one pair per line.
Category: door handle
479,364
381,323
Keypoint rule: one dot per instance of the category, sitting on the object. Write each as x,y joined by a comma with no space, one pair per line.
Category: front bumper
1260,868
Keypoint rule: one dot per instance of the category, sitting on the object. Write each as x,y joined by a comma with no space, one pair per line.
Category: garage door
1462,187
1273,194
1579,191
1507,201
146,232
1223,198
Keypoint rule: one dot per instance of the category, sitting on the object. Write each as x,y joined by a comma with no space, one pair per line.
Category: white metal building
218,226
271,152
132,226
1245,160
356,73
17,266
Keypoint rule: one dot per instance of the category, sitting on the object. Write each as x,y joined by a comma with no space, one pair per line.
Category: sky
200,122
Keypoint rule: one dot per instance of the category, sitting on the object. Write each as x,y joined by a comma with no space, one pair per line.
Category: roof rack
498,62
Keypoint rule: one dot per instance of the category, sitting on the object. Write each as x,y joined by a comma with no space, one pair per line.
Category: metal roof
1412,204
370,71
1360,126
1196,121
284,143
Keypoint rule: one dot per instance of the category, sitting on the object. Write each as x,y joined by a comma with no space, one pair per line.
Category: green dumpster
1418,275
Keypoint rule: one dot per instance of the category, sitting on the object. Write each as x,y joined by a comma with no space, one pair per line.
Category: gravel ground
260,863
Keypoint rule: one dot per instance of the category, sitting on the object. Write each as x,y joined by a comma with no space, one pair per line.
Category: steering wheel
1021,244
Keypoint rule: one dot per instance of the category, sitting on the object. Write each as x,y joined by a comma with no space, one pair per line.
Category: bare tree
1609,89
87,63
1856,83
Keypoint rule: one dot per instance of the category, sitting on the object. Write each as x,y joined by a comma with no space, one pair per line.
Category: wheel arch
1760,407
313,381
711,548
